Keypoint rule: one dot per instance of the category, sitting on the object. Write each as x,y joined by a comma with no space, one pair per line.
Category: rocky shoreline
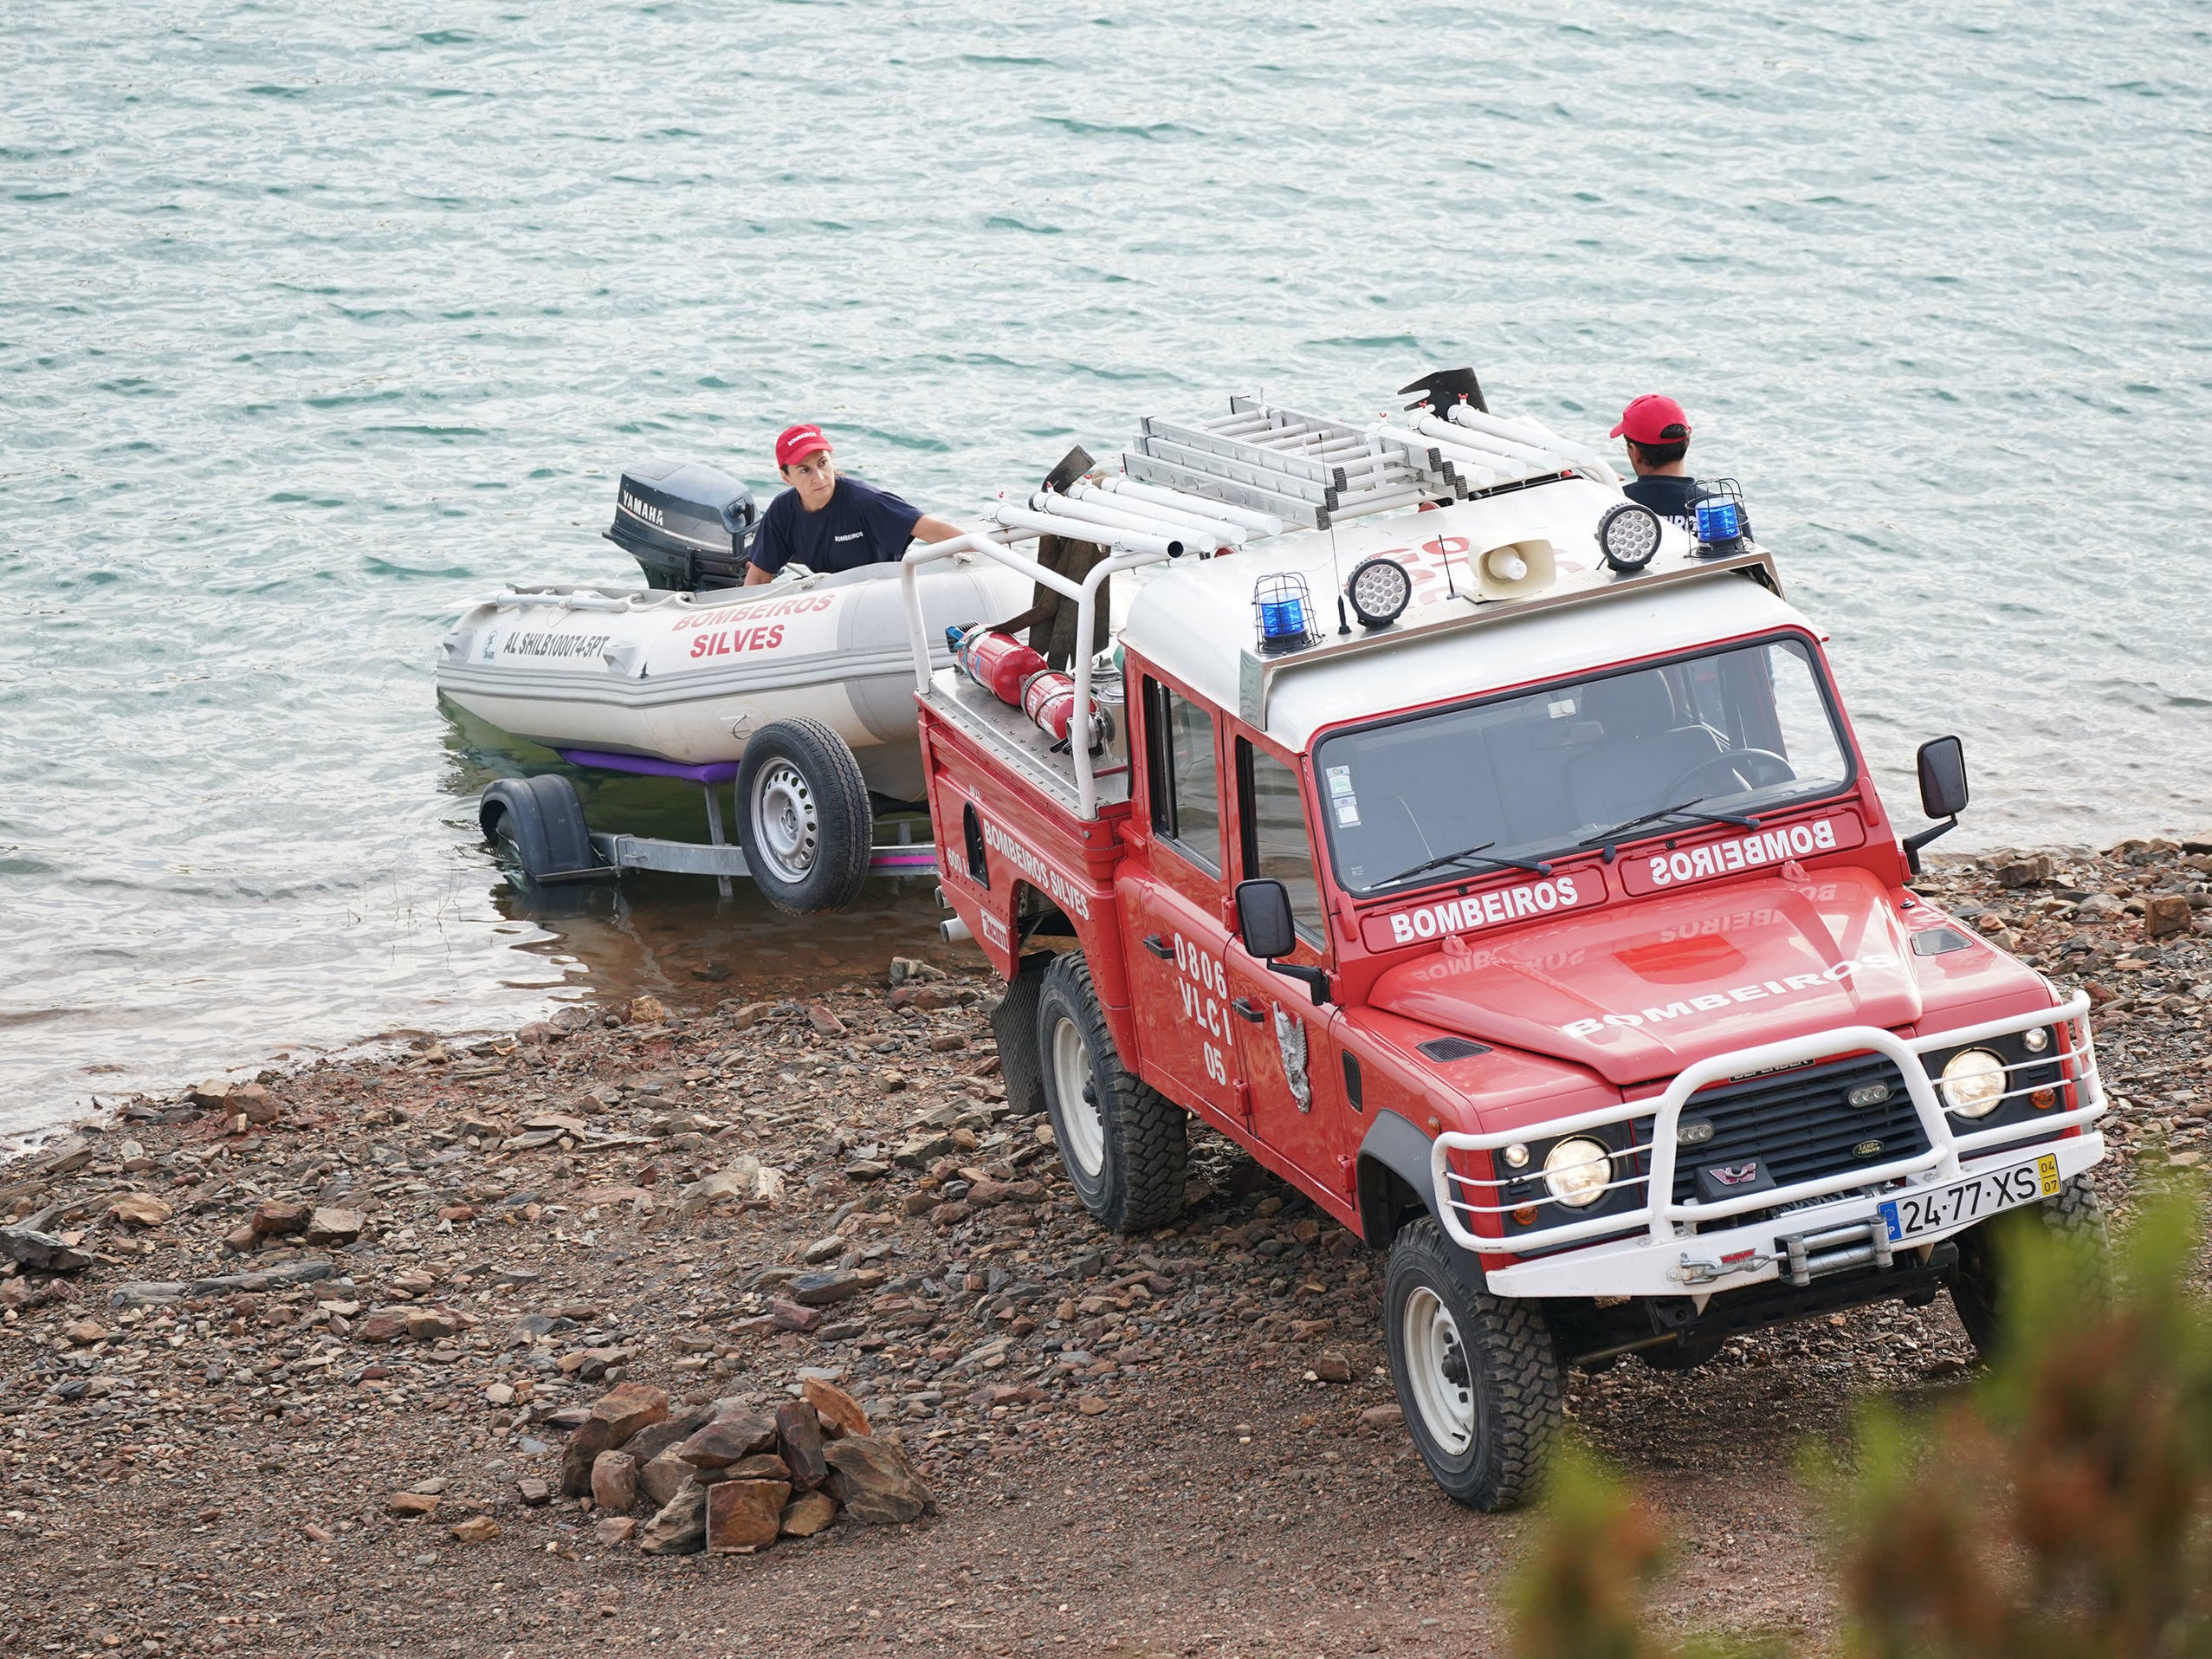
303,1365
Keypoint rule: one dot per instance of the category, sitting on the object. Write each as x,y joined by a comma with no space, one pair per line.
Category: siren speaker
1515,569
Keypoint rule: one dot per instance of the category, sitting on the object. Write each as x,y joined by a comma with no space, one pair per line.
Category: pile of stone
727,1478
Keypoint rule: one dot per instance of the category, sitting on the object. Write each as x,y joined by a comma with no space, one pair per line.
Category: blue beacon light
1282,609
1720,517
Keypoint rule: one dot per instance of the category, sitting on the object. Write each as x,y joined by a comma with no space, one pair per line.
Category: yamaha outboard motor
685,524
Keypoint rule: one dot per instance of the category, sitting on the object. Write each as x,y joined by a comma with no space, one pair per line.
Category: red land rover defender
1531,909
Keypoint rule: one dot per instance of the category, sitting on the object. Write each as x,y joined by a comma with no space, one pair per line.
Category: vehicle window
1543,773
1186,776
1276,846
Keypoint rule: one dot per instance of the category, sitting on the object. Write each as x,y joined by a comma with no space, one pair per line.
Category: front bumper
1804,1231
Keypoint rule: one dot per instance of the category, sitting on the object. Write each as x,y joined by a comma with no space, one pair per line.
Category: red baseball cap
1653,419
800,442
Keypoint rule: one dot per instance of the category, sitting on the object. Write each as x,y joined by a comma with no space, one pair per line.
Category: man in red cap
827,522
1658,438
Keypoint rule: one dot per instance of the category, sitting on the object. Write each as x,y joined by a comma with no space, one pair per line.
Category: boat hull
689,677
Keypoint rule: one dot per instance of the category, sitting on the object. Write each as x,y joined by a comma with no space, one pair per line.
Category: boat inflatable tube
691,677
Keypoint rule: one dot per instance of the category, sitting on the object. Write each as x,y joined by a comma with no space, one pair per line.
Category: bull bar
1823,1236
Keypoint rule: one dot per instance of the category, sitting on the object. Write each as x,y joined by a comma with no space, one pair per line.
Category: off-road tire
1013,1025
798,777
1137,1137
1977,1290
1513,1381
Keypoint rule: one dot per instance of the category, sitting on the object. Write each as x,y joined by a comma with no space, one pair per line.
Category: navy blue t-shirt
859,525
1671,498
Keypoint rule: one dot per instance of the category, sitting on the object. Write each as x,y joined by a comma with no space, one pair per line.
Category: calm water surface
316,321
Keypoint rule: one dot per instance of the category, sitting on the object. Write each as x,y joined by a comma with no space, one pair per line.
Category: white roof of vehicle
1194,619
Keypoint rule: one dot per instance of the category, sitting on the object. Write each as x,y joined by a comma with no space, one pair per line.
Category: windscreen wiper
1462,856
1611,837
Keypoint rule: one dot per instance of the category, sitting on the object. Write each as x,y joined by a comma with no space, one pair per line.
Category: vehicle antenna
1337,575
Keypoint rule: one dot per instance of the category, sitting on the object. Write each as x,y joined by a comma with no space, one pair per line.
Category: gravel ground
1180,1443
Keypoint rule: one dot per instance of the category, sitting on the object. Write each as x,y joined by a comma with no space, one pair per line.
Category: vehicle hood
1636,991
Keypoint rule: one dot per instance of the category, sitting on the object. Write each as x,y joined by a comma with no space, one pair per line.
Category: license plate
1967,1201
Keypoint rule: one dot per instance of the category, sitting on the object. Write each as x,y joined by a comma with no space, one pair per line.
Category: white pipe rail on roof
1245,518
1078,529
1199,527
1110,516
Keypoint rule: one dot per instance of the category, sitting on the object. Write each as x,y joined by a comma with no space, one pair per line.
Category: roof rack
1312,471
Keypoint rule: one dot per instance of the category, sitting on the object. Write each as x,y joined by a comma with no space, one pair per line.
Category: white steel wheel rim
1438,1369
787,825
1072,1083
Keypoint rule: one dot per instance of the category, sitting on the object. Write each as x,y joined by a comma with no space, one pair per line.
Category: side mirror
1264,919
1264,927
1943,777
1943,793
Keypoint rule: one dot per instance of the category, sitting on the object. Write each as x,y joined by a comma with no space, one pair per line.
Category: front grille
1800,1124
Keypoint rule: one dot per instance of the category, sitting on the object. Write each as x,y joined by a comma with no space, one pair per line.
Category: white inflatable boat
690,677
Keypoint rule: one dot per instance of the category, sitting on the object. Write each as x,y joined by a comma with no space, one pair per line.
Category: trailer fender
544,820
1393,1178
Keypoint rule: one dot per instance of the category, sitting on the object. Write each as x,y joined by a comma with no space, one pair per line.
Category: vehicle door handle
1158,946
1243,1005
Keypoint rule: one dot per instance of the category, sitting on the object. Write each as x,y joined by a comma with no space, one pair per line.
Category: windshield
1731,732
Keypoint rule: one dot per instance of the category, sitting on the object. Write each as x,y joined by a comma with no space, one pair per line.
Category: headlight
2036,1039
1577,1170
1974,1083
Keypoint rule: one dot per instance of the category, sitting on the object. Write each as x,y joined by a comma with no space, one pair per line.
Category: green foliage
2059,1511
1580,1595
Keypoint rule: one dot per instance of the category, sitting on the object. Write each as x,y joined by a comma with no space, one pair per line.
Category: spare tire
803,817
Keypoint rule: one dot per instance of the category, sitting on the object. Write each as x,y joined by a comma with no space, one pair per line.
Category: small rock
333,1226
499,1394
841,1415
874,1482
662,1477
614,1482
615,1529
807,1514
611,1420
824,1249
824,1021
477,1529
43,1252
2031,872
533,1491
411,1505
799,1438
680,1528
253,1101
2166,913
789,1316
138,1209
1383,1417
1091,1405
84,1333
1332,1367
744,1515
647,1011
824,1289
275,1217
430,1323
385,1325
726,1440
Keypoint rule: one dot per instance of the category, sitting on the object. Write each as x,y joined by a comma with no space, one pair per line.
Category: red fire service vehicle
1507,876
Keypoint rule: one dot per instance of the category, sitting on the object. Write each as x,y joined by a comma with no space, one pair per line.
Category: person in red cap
827,523
1658,438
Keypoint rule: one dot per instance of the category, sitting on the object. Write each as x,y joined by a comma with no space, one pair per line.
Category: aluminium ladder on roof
1311,471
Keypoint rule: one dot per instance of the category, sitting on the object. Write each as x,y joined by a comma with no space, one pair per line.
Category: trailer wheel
537,826
1476,1374
2073,1213
1124,1145
803,818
